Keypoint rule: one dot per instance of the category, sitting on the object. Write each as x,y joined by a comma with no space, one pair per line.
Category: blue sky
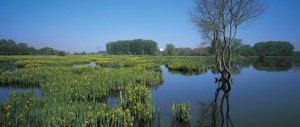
74,25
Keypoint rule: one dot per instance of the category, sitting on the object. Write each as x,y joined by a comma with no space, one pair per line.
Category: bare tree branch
217,19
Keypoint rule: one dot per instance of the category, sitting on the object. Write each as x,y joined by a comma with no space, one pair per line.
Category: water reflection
91,64
188,73
270,64
236,67
212,114
273,64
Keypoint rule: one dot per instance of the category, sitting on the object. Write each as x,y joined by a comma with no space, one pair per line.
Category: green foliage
9,47
236,44
137,101
47,51
26,109
273,48
203,51
245,50
61,53
297,53
181,112
170,50
74,94
132,47
184,51
214,45
7,65
189,65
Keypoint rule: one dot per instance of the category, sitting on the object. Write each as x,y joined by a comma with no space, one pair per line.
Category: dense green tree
184,51
134,47
10,47
7,47
236,44
170,50
201,51
245,50
216,45
61,53
47,51
274,48
22,48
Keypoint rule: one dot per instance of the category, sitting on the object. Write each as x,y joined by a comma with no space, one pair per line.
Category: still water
258,98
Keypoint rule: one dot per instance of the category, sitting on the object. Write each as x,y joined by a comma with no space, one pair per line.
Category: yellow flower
98,113
113,115
73,115
53,120
173,107
90,113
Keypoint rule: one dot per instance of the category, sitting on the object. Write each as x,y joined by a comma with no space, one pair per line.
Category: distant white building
161,49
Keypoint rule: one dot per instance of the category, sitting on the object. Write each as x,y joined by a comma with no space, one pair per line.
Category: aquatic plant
74,95
137,100
181,112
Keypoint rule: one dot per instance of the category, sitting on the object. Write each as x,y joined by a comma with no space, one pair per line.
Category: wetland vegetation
73,95
74,91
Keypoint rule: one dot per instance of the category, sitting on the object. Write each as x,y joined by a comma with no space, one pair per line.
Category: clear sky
87,25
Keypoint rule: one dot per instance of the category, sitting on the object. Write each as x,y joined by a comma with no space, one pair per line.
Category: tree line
269,48
170,50
132,47
10,47
149,47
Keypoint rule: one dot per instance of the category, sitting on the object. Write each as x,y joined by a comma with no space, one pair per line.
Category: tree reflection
236,67
188,73
273,64
212,114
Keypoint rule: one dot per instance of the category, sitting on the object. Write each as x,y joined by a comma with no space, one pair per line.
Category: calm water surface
258,98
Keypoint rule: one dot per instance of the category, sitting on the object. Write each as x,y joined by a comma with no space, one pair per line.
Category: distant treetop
10,47
132,47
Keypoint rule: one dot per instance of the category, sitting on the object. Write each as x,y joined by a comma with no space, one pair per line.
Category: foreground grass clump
181,112
27,109
137,100
190,65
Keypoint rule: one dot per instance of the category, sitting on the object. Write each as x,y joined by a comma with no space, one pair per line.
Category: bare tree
218,21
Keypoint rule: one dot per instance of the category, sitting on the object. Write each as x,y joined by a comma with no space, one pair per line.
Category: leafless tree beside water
219,20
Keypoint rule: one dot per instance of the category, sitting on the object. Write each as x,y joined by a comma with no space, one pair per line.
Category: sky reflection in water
259,97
